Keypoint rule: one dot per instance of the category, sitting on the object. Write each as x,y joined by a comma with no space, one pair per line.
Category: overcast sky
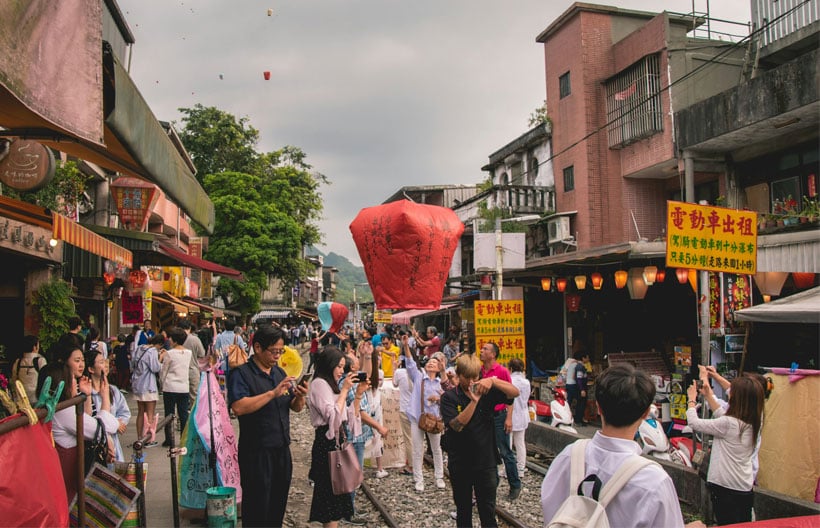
379,93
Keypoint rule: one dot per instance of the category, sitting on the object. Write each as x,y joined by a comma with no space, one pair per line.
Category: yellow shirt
387,361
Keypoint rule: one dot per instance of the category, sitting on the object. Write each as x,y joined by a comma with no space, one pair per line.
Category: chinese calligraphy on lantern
711,238
501,322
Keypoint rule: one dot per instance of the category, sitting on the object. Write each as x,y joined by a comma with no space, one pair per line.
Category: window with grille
633,103
569,178
564,88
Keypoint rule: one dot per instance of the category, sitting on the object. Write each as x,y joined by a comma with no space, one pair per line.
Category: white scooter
655,443
561,412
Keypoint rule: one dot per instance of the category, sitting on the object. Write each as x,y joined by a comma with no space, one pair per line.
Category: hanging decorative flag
406,249
332,315
627,93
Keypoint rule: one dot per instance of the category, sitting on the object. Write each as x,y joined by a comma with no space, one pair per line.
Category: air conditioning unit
558,229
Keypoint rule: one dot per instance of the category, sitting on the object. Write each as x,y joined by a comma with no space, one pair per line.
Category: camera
699,384
361,376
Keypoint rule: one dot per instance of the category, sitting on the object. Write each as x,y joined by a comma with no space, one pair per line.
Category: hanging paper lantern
573,302
546,283
597,280
137,278
660,276
620,278
803,280
406,249
682,274
649,274
108,278
332,315
561,285
636,284
581,282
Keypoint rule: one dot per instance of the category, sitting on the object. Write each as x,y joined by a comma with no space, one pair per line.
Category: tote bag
345,473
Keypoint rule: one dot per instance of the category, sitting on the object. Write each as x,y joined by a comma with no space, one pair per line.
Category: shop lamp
803,280
637,285
649,275
546,283
581,282
561,284
660,276
597,280
683,275
770,282
620,278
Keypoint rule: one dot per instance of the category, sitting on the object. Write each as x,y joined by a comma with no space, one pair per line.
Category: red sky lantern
108,278
137,278
660,276
597,280
561,285
332,315
683,275
406,249
620,278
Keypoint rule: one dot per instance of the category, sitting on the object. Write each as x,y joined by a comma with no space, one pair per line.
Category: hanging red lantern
683,275
597,280
620,278
561,285
803,280
660,276
137,278
108,278
573,302
546,283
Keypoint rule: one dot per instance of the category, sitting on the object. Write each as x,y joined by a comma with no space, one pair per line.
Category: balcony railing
525,199
781,18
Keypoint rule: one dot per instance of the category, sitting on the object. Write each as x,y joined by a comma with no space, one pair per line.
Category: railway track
393,503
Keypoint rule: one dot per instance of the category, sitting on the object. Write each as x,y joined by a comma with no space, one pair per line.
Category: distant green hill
348,275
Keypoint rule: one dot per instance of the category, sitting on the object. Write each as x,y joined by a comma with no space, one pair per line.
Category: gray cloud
378,93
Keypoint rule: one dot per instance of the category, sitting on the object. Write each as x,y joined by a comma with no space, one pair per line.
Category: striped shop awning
73,233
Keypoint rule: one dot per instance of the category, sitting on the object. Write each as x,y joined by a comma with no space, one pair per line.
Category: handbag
96,449
429,423
345,473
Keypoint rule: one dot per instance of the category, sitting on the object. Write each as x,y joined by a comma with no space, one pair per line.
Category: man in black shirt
262,395
467,411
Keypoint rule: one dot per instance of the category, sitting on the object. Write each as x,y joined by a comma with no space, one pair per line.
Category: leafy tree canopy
217,141
266,205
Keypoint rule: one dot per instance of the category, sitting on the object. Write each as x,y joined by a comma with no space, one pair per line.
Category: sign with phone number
501,322
711,238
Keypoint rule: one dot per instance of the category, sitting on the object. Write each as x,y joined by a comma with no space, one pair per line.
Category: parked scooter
561,412
655,443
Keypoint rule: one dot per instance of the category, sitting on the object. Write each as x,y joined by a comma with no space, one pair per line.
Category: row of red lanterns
651,275
137,278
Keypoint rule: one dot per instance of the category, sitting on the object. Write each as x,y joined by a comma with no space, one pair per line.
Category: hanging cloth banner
194,472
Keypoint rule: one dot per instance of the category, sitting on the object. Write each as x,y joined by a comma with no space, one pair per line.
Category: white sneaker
440,483
419,486
381,473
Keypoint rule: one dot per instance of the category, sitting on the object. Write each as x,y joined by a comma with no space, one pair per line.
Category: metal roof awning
217,312
405,316
803,307
192,308
198,263
271,314
164,298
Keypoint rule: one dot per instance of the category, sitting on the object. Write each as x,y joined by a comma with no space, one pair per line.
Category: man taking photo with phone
262,395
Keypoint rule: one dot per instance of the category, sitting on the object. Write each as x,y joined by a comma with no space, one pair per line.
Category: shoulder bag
236,356
345,473
96,449
429,423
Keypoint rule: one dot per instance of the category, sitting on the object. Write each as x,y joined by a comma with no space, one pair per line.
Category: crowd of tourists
464,408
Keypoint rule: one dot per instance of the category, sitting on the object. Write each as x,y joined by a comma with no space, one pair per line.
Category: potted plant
811,210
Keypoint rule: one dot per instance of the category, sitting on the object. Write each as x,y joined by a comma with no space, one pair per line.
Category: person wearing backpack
641,494
27,367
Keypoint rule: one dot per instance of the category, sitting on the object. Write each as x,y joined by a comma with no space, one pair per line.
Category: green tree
266,206
217,141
